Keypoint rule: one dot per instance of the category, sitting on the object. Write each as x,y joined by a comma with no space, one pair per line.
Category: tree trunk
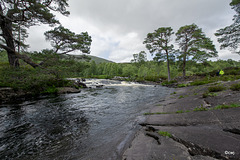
13,59
168,66
184,65
6,26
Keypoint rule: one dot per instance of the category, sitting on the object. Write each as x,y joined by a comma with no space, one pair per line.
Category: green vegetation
229,36
52,75
217,88
173,93
182,85
200,109
165,134
209,94
180,97
180,111
235,87
159,43
193,42
227,106
197,109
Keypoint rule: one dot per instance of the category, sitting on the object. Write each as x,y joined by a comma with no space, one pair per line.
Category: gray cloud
125,23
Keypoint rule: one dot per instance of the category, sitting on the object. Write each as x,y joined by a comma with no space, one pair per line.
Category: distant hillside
90,57
99,60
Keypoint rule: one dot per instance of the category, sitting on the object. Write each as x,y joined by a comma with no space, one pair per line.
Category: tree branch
25,58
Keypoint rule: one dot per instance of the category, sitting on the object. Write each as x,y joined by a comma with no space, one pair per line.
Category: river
95,124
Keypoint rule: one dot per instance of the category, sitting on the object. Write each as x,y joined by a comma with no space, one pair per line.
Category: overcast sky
118,27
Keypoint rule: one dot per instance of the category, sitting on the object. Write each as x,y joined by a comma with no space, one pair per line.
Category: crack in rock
154,136
170,125
195,149
233,130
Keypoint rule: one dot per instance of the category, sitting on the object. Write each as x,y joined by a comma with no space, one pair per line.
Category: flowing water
96,124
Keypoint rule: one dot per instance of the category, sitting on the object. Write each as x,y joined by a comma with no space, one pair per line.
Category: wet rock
65,90
79,83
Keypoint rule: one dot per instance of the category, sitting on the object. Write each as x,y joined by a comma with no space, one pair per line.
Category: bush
200,82
32,80
217,88
207,94
235,87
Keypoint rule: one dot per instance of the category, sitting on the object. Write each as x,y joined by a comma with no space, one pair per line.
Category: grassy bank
56,68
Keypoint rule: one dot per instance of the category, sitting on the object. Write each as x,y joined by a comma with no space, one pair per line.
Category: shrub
32,80
207,94
235,87
217,88
200,82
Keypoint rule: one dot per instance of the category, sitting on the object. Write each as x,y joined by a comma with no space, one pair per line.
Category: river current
95,124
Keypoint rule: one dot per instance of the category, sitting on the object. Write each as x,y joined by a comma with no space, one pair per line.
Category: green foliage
182,85
200,82
165,134
18,16
31,80
217,88
158,43
139,58
235,87
207,94
50,90
66,41
200,109
194,43
229,36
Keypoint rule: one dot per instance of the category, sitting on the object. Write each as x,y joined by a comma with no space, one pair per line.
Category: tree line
193,45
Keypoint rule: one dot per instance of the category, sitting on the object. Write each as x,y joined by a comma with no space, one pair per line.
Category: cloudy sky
118,27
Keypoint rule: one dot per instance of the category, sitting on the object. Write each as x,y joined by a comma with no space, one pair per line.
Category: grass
182,85
227,106
165,134
180,111
200,109
209,79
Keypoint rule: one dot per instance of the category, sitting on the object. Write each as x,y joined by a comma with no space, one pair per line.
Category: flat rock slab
146,148
217,117
196,135
212,138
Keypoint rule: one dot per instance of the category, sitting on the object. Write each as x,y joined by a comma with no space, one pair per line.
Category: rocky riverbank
8,94
192,123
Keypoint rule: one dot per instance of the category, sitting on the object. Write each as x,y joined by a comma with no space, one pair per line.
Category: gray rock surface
195,135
